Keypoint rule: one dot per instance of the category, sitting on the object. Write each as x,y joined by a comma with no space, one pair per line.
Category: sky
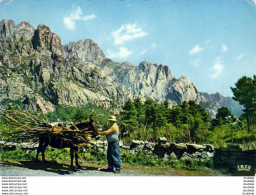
211,42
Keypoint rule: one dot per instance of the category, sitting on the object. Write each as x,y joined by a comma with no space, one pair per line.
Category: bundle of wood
26,126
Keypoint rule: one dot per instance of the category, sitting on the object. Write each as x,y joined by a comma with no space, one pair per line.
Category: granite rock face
86,51
39,72
217,100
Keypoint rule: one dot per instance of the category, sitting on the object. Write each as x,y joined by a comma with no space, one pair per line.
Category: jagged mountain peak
85,50
148,68
24,25
44,39
7,22
6,29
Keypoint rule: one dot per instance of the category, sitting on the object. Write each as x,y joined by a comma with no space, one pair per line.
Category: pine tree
245,93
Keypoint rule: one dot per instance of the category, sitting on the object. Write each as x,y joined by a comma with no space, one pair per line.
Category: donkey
57,142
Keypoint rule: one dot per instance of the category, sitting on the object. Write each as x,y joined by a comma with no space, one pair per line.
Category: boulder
149,146
9,146
180,146
210,154
195,147
162,139
137,144
125,147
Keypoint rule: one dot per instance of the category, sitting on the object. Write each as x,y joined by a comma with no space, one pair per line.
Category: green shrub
18,154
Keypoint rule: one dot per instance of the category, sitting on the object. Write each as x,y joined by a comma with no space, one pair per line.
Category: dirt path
28,168
53,168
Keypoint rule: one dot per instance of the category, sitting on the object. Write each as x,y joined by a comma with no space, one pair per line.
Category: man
113,151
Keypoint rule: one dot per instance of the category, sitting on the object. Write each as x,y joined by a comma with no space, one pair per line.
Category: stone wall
13,146
164,149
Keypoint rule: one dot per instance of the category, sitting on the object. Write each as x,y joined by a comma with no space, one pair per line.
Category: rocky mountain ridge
36,70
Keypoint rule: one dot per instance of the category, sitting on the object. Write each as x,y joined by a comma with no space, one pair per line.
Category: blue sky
211,42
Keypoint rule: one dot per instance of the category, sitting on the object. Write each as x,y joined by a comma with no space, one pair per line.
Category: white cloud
217,68
142,52
224,48
127,32
154,45
254,1
239,57
76,15
196,49
195,62
121,54
0,1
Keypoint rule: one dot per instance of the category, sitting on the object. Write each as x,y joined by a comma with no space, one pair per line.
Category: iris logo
244,167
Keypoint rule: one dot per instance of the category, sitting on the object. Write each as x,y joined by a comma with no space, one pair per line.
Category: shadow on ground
49,166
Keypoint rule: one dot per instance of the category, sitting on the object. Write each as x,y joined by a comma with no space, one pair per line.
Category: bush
18,154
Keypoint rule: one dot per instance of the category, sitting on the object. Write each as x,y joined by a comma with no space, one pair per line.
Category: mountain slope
37,71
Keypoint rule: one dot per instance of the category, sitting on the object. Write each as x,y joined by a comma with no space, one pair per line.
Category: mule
57,142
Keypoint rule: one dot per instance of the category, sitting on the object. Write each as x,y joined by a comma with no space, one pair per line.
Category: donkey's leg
76,156
39,149
46,143
71,156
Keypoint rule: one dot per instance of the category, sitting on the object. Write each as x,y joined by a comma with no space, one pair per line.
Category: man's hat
112,118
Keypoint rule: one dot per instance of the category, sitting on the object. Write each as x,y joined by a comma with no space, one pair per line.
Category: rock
210,154
34,145
9,146
149,146
166,145
86,51
6,29
180,146
216,101
195,147
137,144
204,155
162,139
45,39
125,147
197,155
100,142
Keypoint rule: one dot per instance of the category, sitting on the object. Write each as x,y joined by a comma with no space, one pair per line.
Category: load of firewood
26,126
